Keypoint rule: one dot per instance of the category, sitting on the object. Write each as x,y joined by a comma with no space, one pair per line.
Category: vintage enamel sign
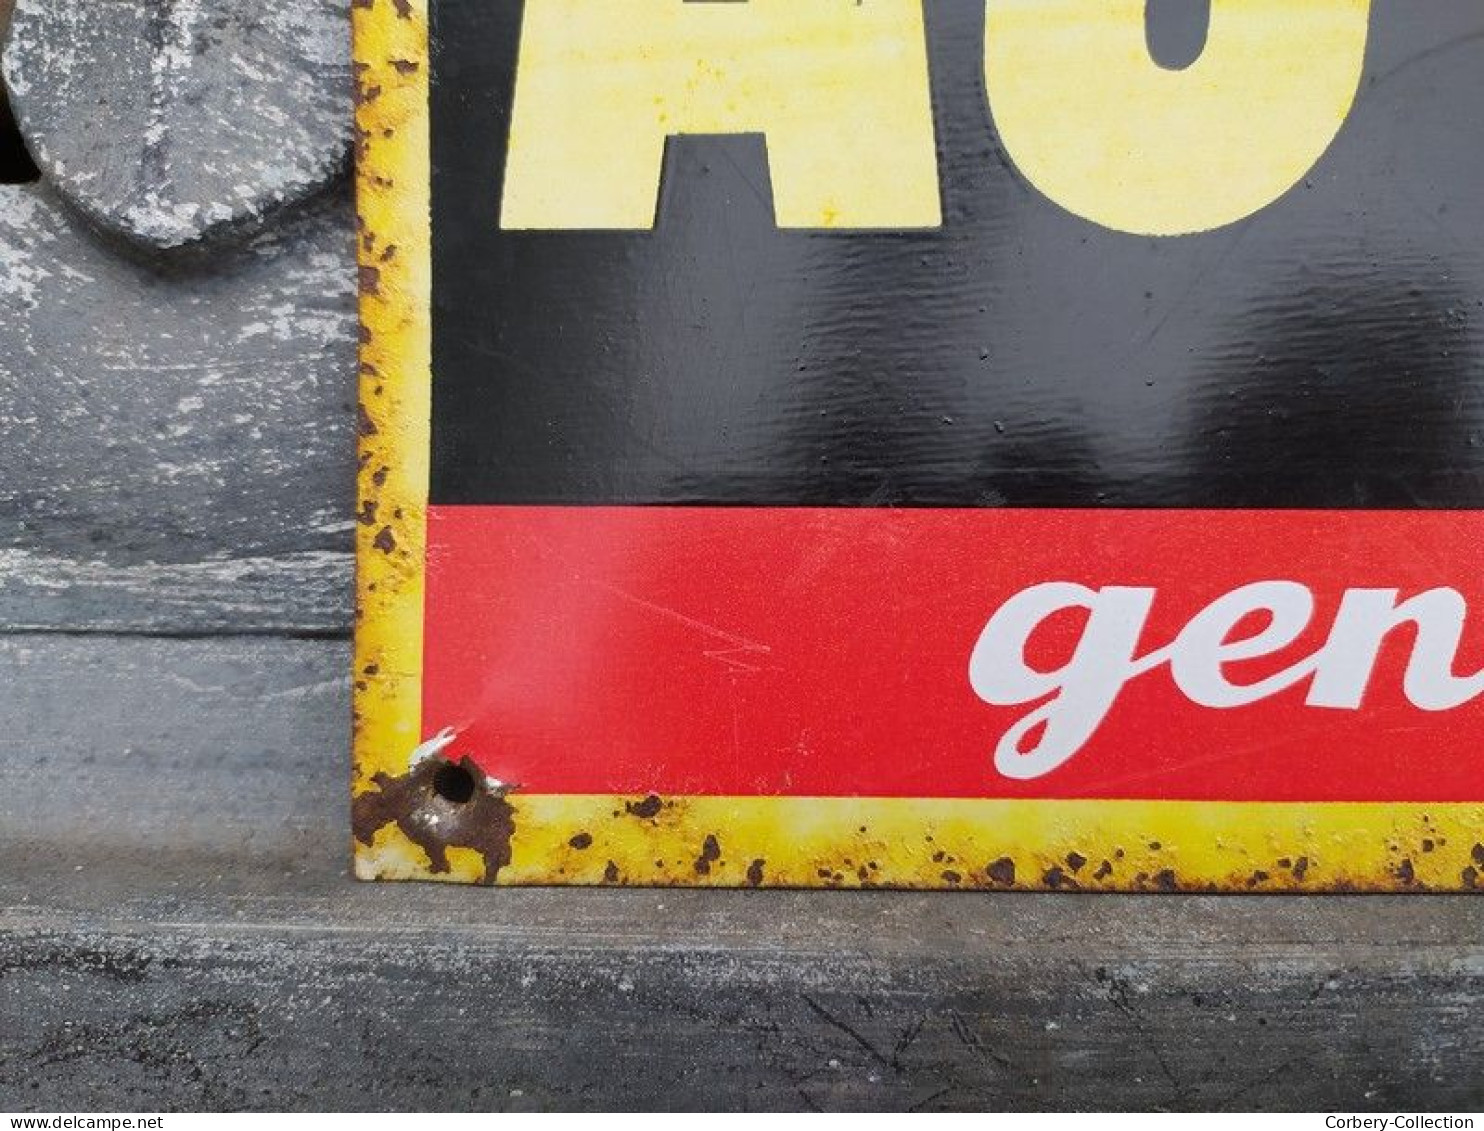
997,444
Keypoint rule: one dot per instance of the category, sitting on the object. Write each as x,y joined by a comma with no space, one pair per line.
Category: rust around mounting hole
441,803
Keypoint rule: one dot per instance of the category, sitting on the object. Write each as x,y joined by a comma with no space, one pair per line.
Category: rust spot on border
648,808
581,841
1056,879
431,808
710,854
1002,871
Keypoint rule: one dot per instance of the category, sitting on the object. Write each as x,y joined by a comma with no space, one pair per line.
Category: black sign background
1323,353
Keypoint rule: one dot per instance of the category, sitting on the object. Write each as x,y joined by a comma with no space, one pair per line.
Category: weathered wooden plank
306,591
297,1013
175,441
230,745
177,929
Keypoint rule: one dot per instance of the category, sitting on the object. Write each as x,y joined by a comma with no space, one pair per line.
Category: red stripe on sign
1194,655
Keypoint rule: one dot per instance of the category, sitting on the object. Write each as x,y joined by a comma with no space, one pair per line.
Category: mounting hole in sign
454,784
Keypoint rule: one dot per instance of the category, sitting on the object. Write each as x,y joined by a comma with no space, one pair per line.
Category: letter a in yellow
1094,123
839,89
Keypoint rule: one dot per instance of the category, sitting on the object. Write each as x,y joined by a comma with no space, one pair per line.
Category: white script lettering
1075,699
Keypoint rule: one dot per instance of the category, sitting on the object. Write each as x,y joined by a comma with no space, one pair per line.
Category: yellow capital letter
1100,128
839,88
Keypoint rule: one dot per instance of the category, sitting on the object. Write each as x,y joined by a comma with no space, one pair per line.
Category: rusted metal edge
423,813
496,836
392,200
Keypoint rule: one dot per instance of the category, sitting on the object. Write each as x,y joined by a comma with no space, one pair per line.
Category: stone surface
171,121
176,443
177,930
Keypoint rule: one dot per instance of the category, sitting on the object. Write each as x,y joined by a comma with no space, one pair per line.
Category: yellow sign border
1156,846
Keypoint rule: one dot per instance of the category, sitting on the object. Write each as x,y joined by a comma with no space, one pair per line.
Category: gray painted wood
175,123
177,929
294,591
176,441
